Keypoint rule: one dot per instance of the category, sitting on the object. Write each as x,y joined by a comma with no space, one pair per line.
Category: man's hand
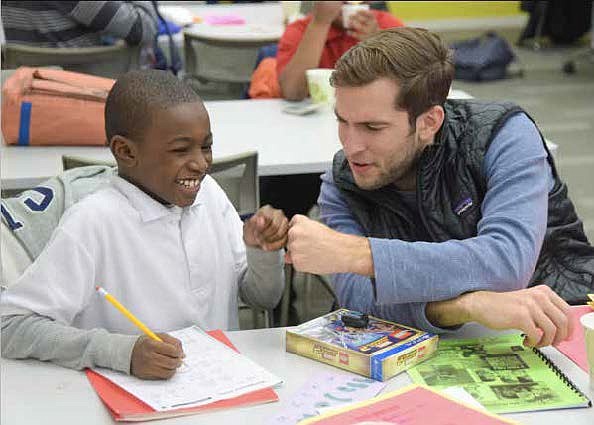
325,12
267,229
315,248
156,360
363,25
537,311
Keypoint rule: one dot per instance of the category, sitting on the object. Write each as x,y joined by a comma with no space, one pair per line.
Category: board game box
379,350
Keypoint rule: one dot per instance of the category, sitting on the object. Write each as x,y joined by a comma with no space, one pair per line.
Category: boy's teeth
188,183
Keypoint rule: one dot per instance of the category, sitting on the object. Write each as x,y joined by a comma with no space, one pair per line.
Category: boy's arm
34,336
264,235
263,282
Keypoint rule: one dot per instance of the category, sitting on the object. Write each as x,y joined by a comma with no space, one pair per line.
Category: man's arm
355,286
307,53
537,311
500,258
135,21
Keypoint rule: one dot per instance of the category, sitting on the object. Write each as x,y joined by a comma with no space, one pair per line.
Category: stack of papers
213,375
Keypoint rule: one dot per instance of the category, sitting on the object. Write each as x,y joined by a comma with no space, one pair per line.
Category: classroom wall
424,10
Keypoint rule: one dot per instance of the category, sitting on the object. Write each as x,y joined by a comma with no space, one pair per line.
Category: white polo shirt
171,267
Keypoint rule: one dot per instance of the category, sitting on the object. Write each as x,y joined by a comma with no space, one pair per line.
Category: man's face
377,139
175,153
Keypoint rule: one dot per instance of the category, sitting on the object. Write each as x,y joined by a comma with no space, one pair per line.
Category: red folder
123,406
575,347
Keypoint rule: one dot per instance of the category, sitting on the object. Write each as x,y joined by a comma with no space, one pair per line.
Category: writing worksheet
211,371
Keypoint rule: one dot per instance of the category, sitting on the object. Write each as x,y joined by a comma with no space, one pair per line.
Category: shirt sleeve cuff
264,258
114,351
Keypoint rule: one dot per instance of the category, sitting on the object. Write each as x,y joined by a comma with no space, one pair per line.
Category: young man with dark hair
162,237
440,212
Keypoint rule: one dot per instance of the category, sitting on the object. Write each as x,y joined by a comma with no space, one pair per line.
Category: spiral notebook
501,374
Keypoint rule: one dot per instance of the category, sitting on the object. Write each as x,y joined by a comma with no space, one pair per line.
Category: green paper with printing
500,373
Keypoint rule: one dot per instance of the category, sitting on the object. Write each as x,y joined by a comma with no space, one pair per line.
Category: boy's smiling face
173,156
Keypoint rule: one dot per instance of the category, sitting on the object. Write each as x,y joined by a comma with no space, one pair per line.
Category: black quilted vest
450,190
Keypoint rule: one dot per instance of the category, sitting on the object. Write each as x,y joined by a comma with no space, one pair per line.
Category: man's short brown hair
416,59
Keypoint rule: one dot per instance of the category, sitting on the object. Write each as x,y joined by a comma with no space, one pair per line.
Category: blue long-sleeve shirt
501,257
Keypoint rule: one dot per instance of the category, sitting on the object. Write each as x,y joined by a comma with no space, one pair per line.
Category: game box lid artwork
375,348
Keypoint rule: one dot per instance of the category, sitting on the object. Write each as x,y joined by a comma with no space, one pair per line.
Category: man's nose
352,143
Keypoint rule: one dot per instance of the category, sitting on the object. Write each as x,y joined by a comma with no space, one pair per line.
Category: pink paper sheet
224,20
575,347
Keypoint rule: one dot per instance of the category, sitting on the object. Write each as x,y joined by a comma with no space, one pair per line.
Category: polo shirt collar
148,207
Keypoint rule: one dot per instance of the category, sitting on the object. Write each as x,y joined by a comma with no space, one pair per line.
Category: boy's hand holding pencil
154,356
152,359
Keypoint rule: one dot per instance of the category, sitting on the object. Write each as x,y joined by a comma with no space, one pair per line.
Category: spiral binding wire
560,374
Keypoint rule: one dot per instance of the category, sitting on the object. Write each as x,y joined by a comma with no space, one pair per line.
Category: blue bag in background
484,58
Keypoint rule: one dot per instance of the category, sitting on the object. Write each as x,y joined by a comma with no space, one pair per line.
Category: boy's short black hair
136,94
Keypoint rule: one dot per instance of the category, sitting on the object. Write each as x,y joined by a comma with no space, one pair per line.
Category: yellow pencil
127,313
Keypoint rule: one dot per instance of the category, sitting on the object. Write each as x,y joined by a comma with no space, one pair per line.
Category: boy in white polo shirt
162,237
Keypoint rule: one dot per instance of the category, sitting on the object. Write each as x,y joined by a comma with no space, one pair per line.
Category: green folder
501,374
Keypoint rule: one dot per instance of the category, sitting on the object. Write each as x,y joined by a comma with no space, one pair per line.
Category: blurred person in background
319,39
78,23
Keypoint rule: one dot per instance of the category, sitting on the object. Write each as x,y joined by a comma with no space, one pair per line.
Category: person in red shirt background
319,39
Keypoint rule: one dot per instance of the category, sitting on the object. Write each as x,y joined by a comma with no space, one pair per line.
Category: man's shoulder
518,134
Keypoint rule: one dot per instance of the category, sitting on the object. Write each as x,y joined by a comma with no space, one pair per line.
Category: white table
41,393
286,144
228,53
247,33
267,13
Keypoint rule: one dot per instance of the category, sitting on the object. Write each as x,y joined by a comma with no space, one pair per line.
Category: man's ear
429,122
124,150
